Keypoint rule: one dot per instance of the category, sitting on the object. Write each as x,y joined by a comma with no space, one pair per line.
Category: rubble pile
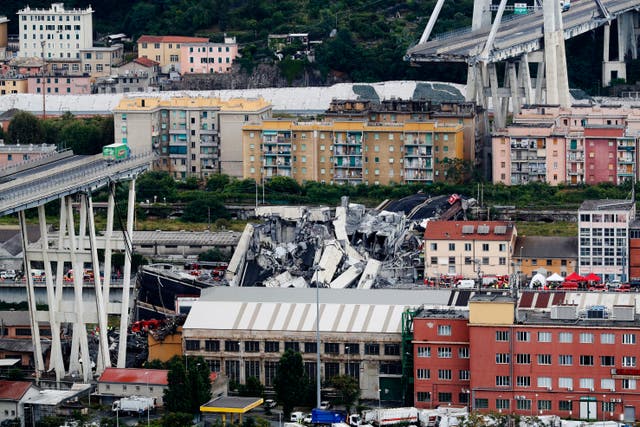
348,247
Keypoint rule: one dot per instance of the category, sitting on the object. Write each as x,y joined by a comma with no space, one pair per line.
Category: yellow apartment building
13,85
193,136
351,151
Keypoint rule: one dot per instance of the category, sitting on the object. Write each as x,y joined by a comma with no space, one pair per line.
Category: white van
466,284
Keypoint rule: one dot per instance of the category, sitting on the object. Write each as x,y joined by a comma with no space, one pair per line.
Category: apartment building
208,58
101,61
351,152
63,85
4,38
13,154
540,358
55,32
165,50
603,227
470,249
193,136
581,145
10,85
545,255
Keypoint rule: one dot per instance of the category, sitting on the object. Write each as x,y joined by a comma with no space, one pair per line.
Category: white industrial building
243,332
57,33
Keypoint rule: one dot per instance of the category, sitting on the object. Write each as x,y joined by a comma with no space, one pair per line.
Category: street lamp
316,269
346,350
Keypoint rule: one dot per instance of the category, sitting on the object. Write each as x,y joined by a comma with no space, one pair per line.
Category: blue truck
327,417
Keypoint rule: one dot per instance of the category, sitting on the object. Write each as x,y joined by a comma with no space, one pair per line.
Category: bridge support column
126,285
556,78
613,68
108,235
79,327
55,359
31,298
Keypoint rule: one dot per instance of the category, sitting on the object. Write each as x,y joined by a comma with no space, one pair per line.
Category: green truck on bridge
115,152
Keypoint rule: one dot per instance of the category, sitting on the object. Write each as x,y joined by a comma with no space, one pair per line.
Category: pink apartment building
584,144
63,85
208,58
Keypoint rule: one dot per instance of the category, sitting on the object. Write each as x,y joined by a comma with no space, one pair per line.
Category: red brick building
567,361
601,147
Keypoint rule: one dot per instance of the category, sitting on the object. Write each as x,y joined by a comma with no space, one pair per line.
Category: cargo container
115,152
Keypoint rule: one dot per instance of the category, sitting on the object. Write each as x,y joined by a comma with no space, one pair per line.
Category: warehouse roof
134,376
203,238
341,310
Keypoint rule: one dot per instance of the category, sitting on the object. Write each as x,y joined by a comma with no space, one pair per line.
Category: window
502,335
565,405
444,352
351,348
444,374
423,396
270,371
629,361
232,346
523,336
544,336
463,375
332,348
607,361
544,382
423,374
586,360
372,349
467,247
502,381
522,381
565,360
295,346
444,330
392,350
271,346
424,351
452,246
331,370
310,347
463,352
586,338
523,358
628,384
586,383
485,247
433,246
564,382
444,397
252,369
502,358
481,403
607,339
502,403
252,346
628,338
565,337
544,405
212,345
607,384
193,345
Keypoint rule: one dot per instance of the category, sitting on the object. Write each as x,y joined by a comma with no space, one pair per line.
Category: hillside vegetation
363,40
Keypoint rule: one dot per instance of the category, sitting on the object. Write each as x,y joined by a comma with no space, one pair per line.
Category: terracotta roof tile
453,230
146,62
171,39
13,390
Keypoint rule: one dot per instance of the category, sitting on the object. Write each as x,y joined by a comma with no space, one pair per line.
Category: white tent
537,280
555,277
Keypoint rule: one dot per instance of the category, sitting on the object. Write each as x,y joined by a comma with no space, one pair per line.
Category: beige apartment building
100,61
469,249
165,50
351,151
194,136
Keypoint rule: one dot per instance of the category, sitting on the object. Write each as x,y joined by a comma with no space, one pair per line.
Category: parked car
297,417
623,287
306,419
269,404
325,404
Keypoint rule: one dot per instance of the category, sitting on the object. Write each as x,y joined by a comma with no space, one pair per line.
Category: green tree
177,419
348,390
252,388
82,136
214,255
189,385
156,184
204,209
217,182
25,128
288,382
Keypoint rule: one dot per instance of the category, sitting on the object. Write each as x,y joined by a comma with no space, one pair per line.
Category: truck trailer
390,416
327,417
133,404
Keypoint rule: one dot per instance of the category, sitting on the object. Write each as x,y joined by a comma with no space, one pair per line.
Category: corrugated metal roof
341,310
203,238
